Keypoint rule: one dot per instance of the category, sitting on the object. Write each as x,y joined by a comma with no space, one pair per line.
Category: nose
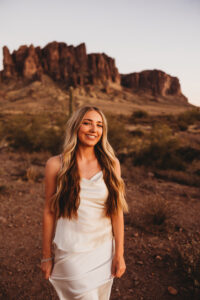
93,127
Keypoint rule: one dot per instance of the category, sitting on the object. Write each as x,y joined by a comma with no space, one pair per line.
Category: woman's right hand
46,268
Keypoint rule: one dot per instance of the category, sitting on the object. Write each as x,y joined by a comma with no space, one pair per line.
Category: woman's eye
87,123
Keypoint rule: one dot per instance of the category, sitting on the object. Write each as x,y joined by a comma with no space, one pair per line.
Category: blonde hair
66,200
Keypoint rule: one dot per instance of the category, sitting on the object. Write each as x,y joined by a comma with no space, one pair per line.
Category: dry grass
153,213
180,177
33,174
156,210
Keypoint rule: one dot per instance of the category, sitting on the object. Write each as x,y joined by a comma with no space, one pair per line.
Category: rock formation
155,82
74,67
64,63
9,67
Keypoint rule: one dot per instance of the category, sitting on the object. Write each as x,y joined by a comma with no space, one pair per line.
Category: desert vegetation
42,132
156,142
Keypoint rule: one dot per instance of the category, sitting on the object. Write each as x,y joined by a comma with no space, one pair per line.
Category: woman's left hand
118,266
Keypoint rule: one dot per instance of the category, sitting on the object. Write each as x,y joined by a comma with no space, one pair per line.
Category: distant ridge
74,67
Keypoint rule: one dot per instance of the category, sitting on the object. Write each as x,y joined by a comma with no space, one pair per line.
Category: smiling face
91,128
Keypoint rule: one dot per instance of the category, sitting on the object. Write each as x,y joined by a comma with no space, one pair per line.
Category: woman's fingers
120,271
46,268
47,274
118,267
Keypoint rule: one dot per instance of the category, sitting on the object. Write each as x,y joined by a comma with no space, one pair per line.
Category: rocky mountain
74,67
155,81
61,62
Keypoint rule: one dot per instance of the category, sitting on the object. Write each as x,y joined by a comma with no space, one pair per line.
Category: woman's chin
88,143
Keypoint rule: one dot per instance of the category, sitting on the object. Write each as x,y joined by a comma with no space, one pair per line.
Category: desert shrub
32,174
138,114
137,132
35,133
154,214
182,125
118,136
3,189
188,154
168,117
159,150
156,210
189,117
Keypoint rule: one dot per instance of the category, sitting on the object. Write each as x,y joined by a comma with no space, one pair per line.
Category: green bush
189,117
182,125
159,150
118,136
35,133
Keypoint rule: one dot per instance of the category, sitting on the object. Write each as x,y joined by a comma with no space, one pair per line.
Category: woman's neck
85,153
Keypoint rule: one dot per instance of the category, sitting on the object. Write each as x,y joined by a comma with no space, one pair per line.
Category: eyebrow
91,120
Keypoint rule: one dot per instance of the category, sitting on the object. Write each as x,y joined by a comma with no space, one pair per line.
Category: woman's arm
51,170
118,264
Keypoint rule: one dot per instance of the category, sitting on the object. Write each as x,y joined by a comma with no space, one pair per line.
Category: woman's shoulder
53,164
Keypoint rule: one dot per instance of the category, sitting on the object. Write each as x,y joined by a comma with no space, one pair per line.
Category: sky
139,34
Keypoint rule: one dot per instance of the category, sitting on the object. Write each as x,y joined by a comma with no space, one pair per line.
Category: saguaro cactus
71,99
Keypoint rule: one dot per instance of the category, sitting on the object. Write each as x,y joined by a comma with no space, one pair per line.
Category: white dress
84,247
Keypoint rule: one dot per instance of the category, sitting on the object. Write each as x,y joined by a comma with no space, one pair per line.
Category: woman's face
91,128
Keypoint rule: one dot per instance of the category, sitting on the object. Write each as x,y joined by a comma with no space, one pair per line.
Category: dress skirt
84,275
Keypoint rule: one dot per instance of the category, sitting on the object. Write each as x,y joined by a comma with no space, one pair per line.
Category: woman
84,212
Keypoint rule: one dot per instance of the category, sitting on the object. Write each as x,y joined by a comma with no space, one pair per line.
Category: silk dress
84,247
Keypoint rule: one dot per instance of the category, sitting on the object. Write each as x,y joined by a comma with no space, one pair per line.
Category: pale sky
139,34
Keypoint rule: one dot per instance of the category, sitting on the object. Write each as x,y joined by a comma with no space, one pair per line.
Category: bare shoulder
53,165
117,167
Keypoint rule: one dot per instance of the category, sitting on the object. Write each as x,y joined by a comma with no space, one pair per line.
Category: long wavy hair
66,200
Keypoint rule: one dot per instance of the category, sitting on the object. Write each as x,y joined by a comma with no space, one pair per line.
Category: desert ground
153,252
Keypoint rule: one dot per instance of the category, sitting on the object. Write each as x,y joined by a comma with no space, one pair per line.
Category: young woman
83,213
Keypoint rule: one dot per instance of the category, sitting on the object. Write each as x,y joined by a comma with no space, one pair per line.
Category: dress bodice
92,227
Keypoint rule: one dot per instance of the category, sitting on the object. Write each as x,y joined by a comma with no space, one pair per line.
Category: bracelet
46,259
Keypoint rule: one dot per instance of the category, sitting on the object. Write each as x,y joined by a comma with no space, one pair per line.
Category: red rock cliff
61,62
156,82
73,66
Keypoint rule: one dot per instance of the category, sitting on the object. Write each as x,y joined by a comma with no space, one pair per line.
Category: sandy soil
153,263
